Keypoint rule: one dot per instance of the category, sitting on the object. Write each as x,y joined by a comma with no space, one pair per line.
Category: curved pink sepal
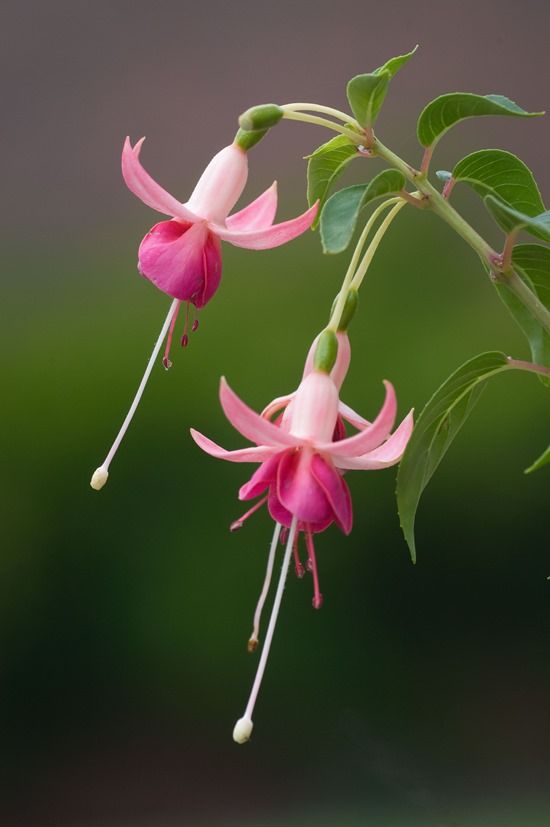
336,491
147,190
268,237
386,455
258,214
250,424
372,436
258,454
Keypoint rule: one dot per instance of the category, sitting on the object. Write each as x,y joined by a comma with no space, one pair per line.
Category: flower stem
373,246
339,307
532,367
355,137
325,110
101,474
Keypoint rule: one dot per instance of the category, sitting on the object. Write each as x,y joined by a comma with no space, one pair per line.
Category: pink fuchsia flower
182,256
302,460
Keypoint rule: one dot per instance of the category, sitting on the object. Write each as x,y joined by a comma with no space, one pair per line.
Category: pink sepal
250,424
147,190
268,237
372,436
386,455
257,215
258,454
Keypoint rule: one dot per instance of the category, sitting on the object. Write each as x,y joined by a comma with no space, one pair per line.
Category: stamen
300,570
195,325
185,337
237,524
101,474
166,358
317,601
253,640
243,728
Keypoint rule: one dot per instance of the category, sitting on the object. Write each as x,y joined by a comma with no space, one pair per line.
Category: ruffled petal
258,454
386,455
147,190
256,215
268,237
298,490
369,438
250,424
265,475
182,260
336,491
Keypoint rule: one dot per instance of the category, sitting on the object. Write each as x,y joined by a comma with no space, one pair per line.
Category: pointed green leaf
325,165
510,219
532,263
394,64
436,428
443,112
366,93
501,174
341,211
544,459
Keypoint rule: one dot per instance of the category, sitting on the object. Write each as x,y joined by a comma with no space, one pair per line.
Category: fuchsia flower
182,256
303,456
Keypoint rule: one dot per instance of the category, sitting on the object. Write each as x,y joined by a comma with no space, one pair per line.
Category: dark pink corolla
182,256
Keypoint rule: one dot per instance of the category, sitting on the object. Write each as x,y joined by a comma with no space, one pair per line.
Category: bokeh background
418,696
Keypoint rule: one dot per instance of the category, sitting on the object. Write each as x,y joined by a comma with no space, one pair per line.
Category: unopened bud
99,478
243,730
326,351
261,117
246,139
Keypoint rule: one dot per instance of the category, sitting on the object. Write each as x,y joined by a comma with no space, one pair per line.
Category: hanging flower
303,456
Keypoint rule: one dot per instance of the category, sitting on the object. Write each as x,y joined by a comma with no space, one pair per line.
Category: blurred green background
417,696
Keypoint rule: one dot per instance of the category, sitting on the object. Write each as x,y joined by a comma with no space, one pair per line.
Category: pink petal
387,454
268,237
250,424
370,437
182,260
335,490
298,491
258,214
265,475
147,190
258,454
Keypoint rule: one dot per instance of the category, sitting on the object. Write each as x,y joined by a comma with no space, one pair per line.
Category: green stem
519,364
355,137
373,246
441,207
339,307
324,110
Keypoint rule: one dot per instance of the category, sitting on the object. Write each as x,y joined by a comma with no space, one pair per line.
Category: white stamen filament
253,641
243,727
101,474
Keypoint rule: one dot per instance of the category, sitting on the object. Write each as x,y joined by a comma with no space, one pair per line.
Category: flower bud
352,300
261,117
246,139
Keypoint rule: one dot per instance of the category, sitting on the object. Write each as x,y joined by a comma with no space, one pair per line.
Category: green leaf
366,93
510,219
443,112
325,165
437,426
532,263
501,174
340,214
544,459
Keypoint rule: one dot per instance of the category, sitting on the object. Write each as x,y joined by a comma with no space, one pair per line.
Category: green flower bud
352,300
247,139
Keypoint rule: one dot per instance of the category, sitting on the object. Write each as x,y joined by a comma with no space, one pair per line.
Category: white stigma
99,478
242,730
243,727
101,474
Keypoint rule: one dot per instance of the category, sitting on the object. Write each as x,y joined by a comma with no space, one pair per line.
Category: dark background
418,696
